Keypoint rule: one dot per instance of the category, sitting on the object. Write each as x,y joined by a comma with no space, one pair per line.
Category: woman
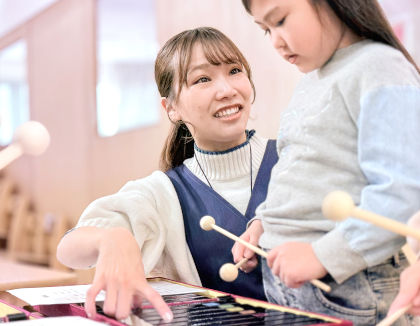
212,166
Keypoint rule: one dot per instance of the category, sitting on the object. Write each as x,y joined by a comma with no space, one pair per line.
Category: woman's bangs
218,52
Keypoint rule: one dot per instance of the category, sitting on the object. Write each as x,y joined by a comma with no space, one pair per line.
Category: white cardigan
150,209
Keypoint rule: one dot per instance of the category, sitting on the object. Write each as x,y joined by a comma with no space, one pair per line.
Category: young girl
353,124
211,165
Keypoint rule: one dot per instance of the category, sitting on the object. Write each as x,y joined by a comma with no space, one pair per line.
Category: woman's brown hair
365,18
171,67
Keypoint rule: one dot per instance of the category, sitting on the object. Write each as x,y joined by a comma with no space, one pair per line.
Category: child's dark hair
171,67
364,17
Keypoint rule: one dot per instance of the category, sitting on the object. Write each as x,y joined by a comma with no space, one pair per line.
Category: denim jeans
363,299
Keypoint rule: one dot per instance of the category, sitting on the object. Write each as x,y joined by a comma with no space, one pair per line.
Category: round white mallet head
207,222
337,205
29,138
32,137
228,272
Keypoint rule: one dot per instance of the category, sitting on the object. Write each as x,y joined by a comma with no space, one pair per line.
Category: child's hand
295,263
409,291
239,251
119,271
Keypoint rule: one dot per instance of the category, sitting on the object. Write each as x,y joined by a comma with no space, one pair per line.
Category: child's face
302,35
215,103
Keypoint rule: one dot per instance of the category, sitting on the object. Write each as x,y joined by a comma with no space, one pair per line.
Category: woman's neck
232,163
220,146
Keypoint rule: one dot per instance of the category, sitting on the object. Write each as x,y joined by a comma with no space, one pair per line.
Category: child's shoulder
379,55
375,64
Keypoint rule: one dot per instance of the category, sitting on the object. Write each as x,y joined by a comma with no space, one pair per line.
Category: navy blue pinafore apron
210,249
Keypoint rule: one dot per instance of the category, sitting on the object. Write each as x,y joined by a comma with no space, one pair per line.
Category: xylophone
10,313
205,307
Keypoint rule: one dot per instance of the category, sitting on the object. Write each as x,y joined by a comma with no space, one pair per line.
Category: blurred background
84,69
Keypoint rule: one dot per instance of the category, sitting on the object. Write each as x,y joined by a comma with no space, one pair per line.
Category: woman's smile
229,112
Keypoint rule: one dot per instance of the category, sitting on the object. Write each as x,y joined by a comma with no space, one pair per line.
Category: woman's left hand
295,263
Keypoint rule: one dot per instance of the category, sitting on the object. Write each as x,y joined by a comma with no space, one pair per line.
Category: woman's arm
119,269
87,237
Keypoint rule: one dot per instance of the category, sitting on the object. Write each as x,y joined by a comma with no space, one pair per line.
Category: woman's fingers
156,300
90,304
119,302
124,303
110,304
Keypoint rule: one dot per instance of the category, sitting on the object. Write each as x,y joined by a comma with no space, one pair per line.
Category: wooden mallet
30,138
208,223
338,205
229,272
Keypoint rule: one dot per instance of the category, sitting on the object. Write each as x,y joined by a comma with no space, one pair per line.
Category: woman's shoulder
156,179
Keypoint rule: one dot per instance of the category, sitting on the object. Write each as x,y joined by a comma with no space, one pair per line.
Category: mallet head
207,222
32,137
337,205
228,272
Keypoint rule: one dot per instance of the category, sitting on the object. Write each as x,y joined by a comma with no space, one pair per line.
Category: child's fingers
405,296
248,253
250,265
238,252
415,311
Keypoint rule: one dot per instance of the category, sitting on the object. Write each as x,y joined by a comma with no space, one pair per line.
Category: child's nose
277,40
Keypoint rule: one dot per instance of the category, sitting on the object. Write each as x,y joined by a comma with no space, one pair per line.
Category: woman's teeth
227,112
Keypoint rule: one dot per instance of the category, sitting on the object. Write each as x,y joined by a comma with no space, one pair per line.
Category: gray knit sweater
353,125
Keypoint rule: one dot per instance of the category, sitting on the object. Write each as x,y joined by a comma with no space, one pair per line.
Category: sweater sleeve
150,209
388,149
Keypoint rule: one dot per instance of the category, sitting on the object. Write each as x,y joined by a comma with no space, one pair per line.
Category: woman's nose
225,88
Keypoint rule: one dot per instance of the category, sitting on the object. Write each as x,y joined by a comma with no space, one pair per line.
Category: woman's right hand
120,273
239,251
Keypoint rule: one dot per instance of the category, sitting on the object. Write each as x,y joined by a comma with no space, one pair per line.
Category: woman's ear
170,110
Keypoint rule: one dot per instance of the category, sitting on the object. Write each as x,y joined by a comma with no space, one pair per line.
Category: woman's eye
202,80
235,71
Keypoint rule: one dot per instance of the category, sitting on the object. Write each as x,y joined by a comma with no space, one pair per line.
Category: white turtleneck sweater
150,209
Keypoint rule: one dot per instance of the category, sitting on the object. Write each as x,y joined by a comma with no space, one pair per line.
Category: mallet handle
386,223
388,321
241,262
235,238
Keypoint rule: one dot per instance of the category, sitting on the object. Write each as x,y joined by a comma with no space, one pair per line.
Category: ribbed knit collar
231,163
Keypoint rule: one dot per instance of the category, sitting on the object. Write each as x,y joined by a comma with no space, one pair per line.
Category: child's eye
202,80
235,71
281,22
266,31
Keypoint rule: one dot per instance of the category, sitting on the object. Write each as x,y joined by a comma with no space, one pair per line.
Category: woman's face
214,103
302,35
